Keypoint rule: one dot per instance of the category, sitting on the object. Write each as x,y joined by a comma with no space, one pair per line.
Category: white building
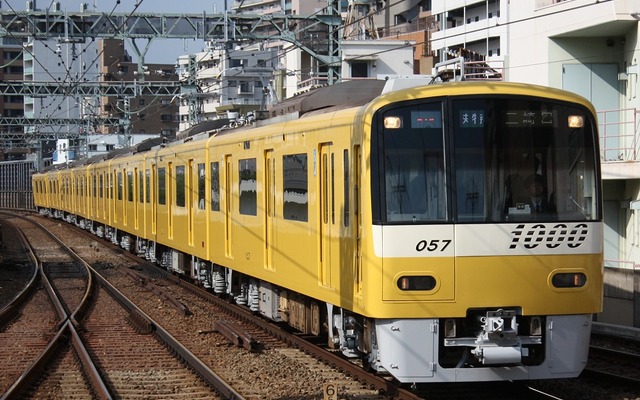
363,59
63,62
230,82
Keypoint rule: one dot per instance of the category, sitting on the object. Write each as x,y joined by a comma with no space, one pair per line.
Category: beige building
147,114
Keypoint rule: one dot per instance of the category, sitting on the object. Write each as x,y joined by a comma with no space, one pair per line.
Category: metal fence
15,184
619,134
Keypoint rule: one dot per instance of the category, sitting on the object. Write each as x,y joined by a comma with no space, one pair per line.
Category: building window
14,70
245,88
359,69
237,62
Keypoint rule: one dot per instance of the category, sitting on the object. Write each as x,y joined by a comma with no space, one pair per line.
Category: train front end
485,256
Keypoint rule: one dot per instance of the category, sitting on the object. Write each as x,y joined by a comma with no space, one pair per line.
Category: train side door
269,205
118,203
154,197
328,228
124,191
137,184
227,204
190,200
170,199
357,219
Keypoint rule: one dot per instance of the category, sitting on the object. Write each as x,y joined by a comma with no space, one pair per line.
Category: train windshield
490,159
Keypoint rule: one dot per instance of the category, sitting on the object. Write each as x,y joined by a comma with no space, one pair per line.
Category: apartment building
146,115
11,56
228,82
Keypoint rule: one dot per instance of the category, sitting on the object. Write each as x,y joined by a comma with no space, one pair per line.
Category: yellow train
443,233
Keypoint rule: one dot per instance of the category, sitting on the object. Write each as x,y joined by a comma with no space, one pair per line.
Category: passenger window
215,186
180,180
120,186
247,181
130,186
140,187
148,186
201,189
295,182
162,186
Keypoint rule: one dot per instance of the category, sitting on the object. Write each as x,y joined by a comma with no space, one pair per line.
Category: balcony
619,152
241,102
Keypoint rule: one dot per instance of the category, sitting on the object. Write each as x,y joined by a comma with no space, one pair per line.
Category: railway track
118,356
38,332
614,366
27,318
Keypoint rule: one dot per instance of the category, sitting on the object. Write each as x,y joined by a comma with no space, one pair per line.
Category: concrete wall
621,297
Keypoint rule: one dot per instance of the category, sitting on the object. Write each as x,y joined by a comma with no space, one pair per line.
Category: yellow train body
300,210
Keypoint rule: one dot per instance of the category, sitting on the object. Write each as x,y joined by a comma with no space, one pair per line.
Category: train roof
343,95
210,125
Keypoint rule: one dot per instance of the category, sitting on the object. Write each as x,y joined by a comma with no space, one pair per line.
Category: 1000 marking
433,245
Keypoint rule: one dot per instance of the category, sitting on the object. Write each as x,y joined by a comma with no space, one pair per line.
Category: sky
161,50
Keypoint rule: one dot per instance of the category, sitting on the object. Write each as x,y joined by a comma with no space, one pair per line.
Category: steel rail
66,332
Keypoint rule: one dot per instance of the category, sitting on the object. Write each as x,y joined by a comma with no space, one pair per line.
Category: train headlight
392,122
575,121
569,280
415,282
